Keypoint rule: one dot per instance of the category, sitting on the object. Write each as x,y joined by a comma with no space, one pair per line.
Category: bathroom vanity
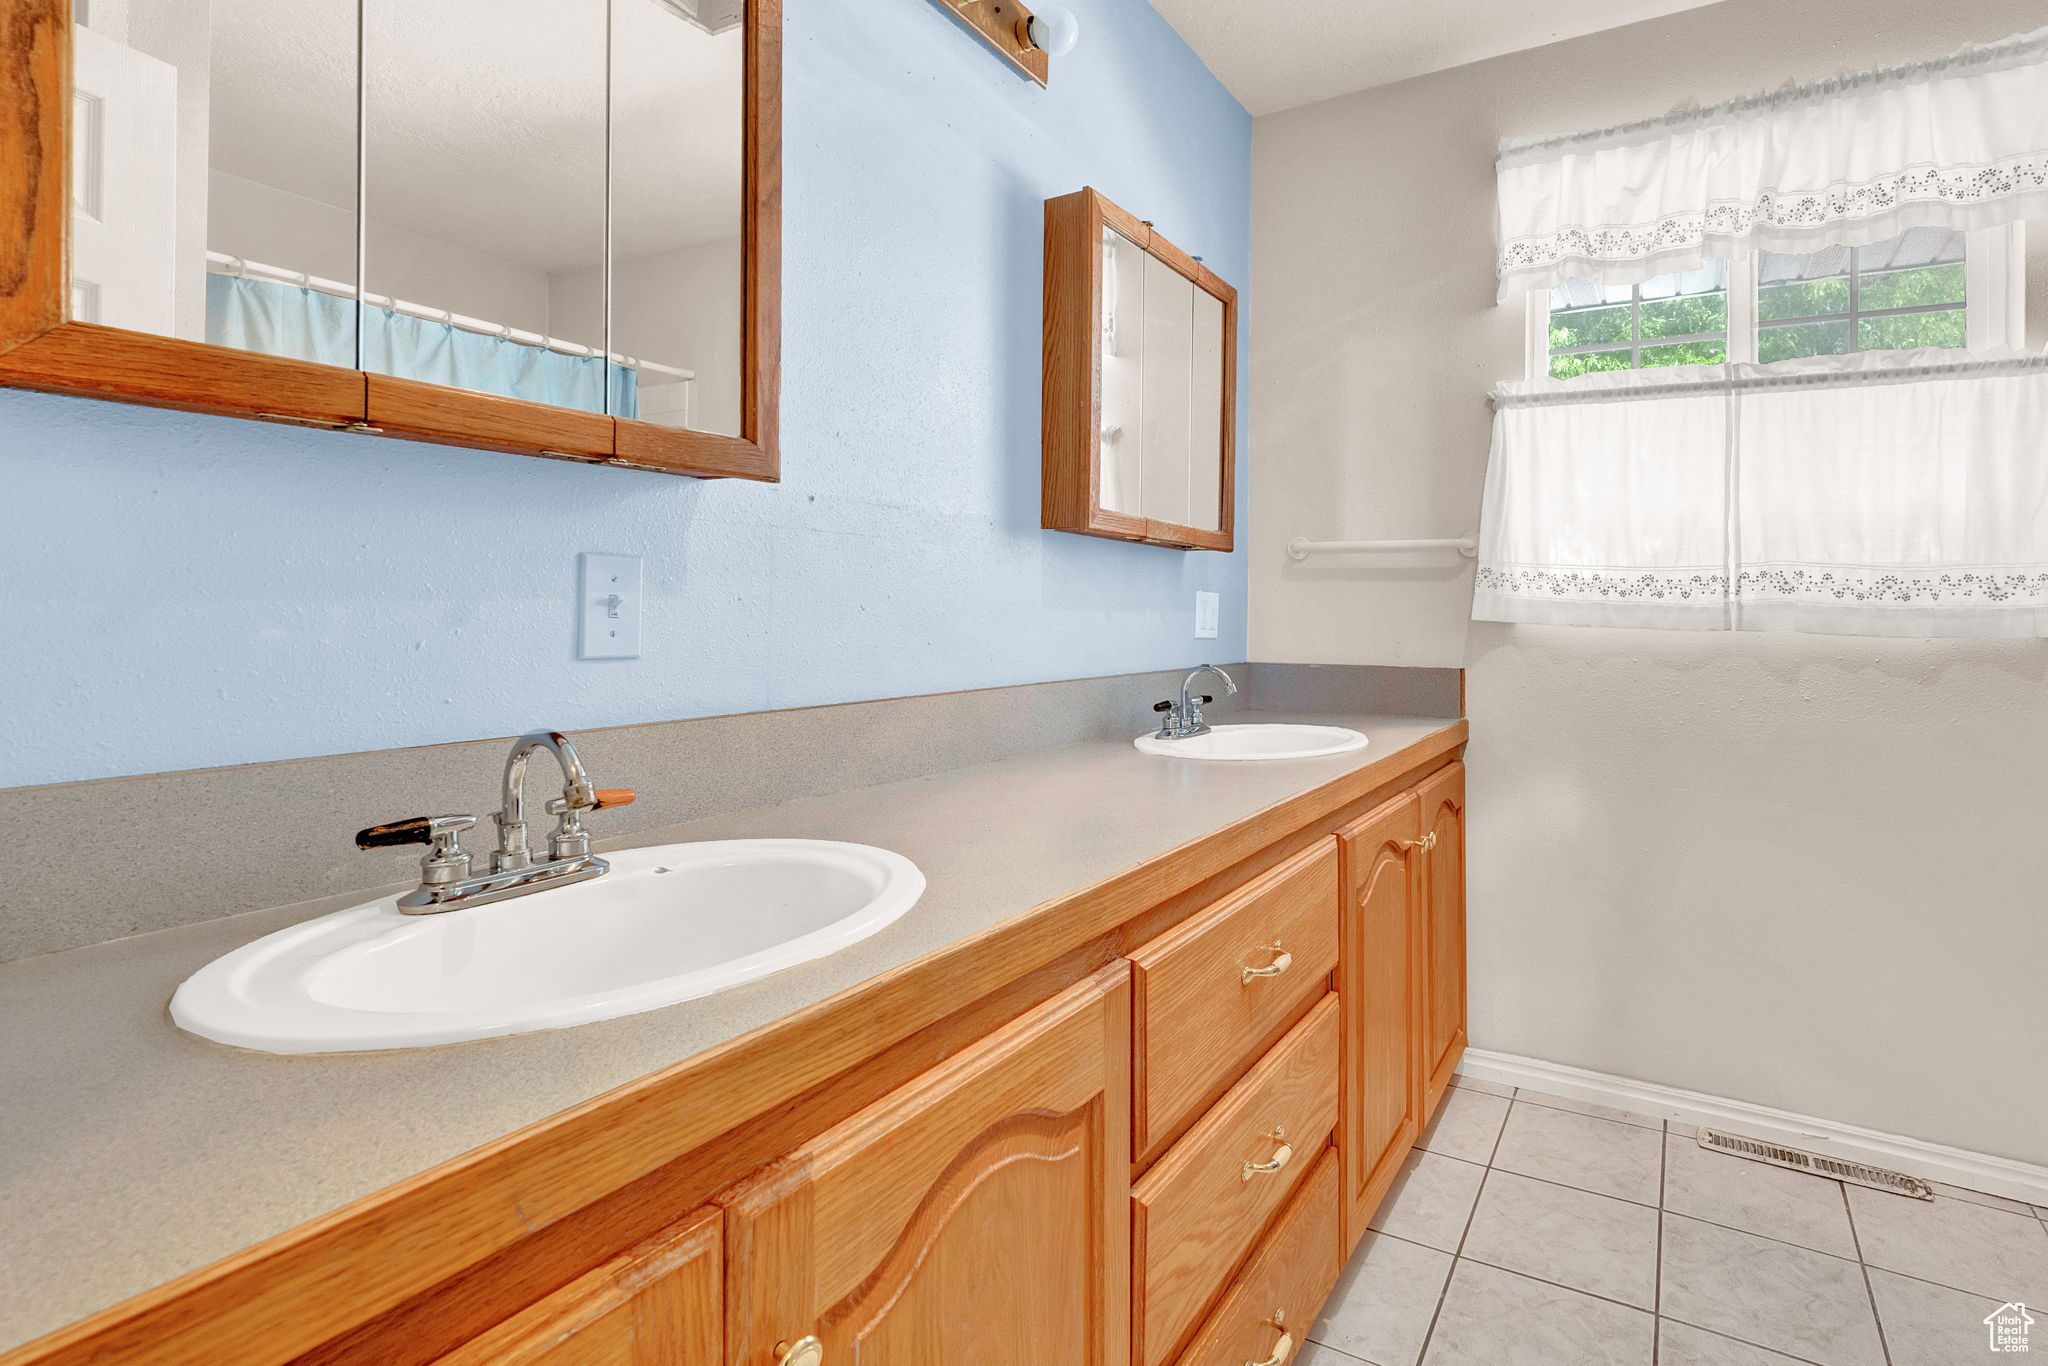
1138,1122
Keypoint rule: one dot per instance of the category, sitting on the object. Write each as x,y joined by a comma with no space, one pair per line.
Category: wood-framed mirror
551,227
1140,412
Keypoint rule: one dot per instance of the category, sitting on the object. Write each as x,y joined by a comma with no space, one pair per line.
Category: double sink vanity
1100,1053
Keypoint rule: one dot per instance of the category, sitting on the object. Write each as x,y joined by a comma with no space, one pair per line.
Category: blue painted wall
181,591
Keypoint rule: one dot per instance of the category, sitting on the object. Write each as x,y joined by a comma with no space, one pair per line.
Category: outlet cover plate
1208,606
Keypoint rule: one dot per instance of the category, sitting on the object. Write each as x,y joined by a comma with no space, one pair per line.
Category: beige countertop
131,1152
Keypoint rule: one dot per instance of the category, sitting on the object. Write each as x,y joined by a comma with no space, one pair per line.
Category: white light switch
1207,605
608,606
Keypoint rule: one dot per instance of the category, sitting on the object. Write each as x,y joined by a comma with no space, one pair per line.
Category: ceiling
1276,54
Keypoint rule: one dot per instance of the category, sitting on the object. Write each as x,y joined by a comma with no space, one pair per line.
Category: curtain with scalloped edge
1960,142
1895,493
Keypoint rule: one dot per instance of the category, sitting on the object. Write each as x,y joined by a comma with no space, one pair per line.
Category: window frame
1994,273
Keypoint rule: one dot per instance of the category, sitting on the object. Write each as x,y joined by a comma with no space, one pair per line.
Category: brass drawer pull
1282,1155
1426,843
805,1351
1282,960
1284,1348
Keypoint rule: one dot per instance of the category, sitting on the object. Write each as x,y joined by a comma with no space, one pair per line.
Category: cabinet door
1379,980
978,1213
657,1304
1443,817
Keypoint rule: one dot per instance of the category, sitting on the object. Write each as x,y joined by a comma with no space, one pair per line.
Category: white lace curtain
1961,142
1892,493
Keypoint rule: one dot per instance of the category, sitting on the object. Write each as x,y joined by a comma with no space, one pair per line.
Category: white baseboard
1929,1161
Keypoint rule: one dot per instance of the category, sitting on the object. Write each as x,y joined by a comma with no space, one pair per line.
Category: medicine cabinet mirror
542,226
1140,382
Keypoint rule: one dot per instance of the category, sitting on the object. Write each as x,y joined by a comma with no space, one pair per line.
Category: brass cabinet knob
1282,960
1426,843
1282,1155
805,1351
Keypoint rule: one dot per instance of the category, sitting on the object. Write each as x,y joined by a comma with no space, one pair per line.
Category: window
1926,287
1671,320
1891,296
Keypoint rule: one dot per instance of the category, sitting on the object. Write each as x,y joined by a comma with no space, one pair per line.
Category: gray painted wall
1800,871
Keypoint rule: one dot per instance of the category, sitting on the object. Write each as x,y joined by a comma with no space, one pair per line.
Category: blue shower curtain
288,320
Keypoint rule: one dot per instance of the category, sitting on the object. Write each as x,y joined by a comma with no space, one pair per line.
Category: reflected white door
124,186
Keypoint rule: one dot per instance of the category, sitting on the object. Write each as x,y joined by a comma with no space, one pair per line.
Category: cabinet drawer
1208,998
1200,1208
1277,1297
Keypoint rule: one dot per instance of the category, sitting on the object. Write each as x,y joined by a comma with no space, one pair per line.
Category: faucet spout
577,795
1191,722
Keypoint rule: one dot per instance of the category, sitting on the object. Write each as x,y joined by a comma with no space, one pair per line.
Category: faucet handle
1162,706
445,830
601,799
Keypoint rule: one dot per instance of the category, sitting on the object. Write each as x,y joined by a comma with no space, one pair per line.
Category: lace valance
1960,142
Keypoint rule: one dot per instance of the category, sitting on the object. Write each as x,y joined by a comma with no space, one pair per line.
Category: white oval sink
1270,741
668,923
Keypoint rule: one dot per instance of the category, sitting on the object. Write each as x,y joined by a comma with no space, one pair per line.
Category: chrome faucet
446,883
1185,719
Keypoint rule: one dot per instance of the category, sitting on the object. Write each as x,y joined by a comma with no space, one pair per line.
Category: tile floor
1530,1230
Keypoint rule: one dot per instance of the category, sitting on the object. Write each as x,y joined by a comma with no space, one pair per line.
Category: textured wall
184,590
1807,872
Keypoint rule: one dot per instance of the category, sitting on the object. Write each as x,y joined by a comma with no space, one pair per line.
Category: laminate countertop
132,1152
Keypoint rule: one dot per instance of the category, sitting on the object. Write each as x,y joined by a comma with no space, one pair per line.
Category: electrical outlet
608,606
1207,607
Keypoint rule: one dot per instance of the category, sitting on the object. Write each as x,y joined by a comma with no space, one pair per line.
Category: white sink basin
1272,741
668,923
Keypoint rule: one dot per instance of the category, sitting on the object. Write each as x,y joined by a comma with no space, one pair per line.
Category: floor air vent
1855,1173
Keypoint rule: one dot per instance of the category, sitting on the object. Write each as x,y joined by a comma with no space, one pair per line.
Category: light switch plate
1207,607
608,606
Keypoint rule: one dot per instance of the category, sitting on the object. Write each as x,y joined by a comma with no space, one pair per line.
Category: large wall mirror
1140,382
547,226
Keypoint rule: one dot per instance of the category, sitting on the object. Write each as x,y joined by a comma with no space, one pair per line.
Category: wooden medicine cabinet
549,227
1140,382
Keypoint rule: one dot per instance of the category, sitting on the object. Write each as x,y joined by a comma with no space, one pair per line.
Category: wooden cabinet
977,1214
1263,1316
1140,375
1201,1207
1380,984
1443,939
1214,992
938,1166
655,1305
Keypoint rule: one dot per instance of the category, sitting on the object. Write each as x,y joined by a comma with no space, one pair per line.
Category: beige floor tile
1931,1325
1790,1206
1312,1354
1580,1150
1681,1344
1587,1107
1491,1088
1496,1318
1980,1198
1431,1200
1954,1243
1384,1301
1466,1125
1789,1299
1587,1242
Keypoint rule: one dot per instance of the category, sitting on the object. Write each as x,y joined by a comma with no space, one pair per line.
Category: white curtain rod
1300,548
220,263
